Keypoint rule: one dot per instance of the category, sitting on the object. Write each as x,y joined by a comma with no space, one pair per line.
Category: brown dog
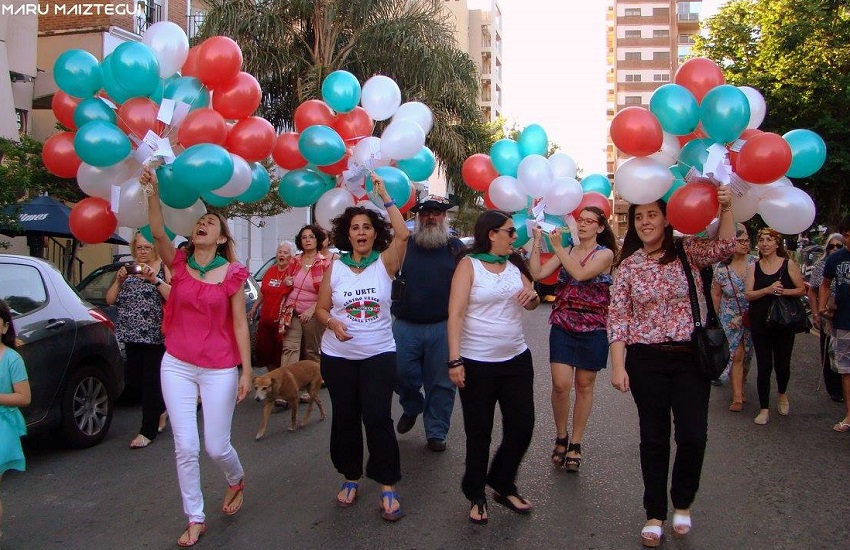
285,383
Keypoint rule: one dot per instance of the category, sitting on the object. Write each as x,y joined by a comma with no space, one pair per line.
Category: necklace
348,259
217,261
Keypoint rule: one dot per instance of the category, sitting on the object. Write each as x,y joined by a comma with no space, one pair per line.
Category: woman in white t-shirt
489,361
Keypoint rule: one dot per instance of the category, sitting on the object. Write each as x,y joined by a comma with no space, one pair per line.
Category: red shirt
274,289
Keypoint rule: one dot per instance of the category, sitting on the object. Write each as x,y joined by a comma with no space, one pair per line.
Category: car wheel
87,408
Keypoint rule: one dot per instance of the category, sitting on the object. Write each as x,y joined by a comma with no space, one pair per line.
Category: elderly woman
490,362
358,349
831,379
650,325
276,284
139,290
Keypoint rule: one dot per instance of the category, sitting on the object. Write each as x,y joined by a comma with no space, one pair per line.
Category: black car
69,349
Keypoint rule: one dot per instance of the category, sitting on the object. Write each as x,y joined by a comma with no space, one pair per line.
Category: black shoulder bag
711,349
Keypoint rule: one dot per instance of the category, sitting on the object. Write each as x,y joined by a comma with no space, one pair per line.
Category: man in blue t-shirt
837,270
421,310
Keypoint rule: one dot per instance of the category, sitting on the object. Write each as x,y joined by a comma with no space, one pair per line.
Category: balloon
764,158
489,203
676,109
188,90
341,91
59,155
380,97
677,183
219,60
808,153
522,236
286,153
725,113
642,180
331,204
478,171
692,207
111,84
354,125
416,112
505,194
252,138
137,116
169,45
238,183
214,200
260,185
203,167
135,68
670,150
551,279
696,134
336,168
758,107
563,197
402,139
321,145
506,156
237,98
97,181
301,187
63,107
183,221
173,193
699,75
203,125
132,204
77,73
148,234
420,166
594,182
91,221
534,176
101,143
563,166
787,209
313,112
594,199
744,208
93,108
760,190
396,183
694,154
636,131
367,152
156,96
190,66
533,141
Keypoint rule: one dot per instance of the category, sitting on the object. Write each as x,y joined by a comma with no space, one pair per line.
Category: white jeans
181,384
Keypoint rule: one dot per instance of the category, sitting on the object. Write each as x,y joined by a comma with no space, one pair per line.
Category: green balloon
189,90
301,187
148,235
77,73
171,192
260,184
214,200
396,183
93,108
203,167
101,143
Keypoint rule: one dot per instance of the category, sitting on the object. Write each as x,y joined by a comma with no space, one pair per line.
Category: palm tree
291,45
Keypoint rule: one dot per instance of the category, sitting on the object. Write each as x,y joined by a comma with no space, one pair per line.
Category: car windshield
93,288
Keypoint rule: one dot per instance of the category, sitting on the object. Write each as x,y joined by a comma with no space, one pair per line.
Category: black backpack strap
692,287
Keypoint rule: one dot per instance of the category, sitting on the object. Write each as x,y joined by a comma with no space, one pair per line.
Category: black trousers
773,353
511,385
664,382
146,360
831,379
362,391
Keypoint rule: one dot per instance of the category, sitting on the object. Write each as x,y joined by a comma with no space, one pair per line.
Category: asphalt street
779,486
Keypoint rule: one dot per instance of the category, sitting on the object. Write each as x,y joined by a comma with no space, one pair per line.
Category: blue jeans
422,351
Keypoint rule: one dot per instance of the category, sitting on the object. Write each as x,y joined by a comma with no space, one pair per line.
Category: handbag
745,315
711,349
787,313
285,319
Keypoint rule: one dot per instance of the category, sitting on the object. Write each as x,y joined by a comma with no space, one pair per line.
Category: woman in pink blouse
649,328
206,338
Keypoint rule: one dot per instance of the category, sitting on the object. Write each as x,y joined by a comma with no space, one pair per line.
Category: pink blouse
650,303
198,321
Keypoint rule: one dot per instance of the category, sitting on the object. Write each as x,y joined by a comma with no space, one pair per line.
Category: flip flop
192,541
347,486
140,442
841,426
508,503
391,515
651,535
236,499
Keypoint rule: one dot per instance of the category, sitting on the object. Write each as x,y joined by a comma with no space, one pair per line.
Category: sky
554,66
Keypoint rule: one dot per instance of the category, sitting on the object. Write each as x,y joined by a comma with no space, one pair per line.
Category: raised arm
164,246
393,256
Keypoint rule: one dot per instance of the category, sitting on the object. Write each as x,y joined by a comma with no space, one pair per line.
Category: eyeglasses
833,246
743,241
144,248
586,221
432,212
511,231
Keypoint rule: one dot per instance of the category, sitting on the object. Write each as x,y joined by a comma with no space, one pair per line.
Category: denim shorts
582,350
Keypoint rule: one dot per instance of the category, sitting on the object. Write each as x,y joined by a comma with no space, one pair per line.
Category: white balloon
132,204
239,182
380,97
367,153
169,44
183,221
744,208
670,149
534,175
331,204
760,189
417,112
788,210
641,180
97,181
563,197
758,107
505,194
402,139
563,166
369,205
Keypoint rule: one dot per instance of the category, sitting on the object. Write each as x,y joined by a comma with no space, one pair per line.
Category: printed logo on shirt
362,305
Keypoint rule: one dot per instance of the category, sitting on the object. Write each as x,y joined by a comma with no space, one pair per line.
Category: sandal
509,504
387,512
573,463
736,406
681,524
233,501
841,427
348,487
479,506
189,541
651,535
558,457
140,442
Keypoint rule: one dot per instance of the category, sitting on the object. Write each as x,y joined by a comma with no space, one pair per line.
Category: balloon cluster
517,177
134,107
700,131
328,158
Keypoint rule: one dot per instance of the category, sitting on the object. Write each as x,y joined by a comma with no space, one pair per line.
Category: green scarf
348,259
218,261
490,258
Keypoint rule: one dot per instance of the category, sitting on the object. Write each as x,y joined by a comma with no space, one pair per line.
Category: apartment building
18,67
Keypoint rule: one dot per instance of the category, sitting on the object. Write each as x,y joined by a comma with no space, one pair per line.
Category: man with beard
420,308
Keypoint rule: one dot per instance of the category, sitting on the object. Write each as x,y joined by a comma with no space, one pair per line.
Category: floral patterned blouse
650,302
140,311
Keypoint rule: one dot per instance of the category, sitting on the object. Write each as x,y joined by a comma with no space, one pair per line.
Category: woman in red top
277,283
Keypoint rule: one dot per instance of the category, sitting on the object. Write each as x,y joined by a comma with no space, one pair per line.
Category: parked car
69,348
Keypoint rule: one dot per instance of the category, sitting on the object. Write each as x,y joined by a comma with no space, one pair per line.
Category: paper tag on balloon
180,112
166,110
716,165
163,151
737,144
114,198
108,103
739,186
537,210
692,176
356,184
143,152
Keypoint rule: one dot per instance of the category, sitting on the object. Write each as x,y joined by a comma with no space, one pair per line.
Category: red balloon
745,135
699,133
592,198
764,158
488,203
253,139
286,153
699,75
478,171
63,106
692,207
59,155
91,221
336,168
353,125
553,278
219,60
190,66
202,126
237,98
410,202
137,115
636,131
312,112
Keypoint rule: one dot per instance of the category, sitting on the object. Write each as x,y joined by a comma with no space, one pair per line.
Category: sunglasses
511,231
833,246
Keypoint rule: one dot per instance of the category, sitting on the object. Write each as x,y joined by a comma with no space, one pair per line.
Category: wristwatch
158,282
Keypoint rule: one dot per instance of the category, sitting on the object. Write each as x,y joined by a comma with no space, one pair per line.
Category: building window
633,34
661,56
149,12
686,39
632,78
632,12
661,33
661,12
632,56
21,117
633,100
195,22
663,77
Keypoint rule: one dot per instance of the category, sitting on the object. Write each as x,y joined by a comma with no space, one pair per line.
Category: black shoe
405,423
436,445
717,382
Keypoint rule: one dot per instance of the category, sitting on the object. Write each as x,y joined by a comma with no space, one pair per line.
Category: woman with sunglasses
578,340
489,361
831,379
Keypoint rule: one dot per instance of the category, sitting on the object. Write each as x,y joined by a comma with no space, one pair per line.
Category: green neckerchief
218,261
490,258
348,259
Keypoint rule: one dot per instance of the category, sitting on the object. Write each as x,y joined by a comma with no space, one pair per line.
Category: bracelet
726,208
454,363
388,204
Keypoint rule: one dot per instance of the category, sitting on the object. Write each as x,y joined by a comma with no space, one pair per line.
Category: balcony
639,42
149,12
196,21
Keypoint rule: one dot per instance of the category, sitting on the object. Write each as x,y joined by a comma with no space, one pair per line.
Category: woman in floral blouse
649,328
